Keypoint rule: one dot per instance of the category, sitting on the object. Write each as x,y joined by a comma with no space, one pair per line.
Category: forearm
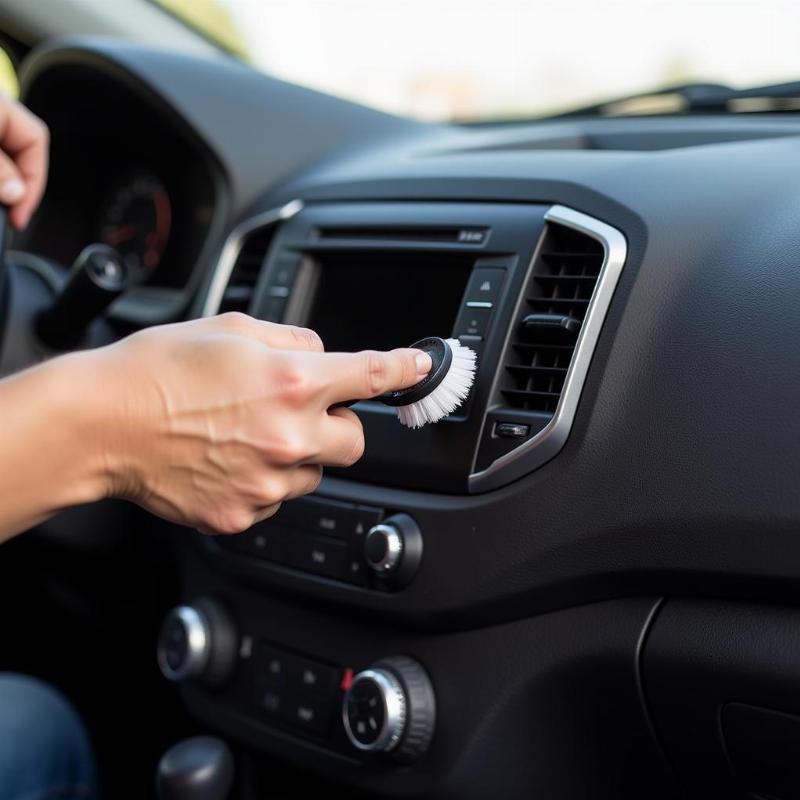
51,446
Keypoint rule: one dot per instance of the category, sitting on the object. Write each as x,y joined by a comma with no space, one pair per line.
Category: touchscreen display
379,301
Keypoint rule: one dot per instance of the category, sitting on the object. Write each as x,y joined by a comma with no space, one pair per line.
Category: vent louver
244,275
543,342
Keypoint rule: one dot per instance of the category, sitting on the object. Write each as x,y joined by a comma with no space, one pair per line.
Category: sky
440,59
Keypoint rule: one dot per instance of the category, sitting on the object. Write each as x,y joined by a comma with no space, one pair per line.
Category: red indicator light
347,679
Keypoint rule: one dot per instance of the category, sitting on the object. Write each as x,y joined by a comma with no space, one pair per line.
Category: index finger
360,376
272,334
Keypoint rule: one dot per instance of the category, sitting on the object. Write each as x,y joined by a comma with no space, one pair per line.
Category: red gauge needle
116,236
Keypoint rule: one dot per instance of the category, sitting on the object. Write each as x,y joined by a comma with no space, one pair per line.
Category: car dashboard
581,584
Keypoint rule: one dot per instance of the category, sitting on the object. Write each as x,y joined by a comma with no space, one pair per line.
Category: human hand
217,421
24,143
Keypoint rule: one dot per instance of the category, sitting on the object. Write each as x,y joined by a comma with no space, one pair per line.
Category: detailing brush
442,390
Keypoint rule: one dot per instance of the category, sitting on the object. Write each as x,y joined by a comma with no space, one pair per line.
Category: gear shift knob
200,768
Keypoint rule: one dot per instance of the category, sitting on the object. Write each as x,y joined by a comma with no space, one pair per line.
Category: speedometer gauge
136,221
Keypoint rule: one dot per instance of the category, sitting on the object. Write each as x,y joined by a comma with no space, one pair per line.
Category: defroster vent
561,285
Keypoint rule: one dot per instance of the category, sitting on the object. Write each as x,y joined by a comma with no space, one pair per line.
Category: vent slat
564,278
529,394
524,369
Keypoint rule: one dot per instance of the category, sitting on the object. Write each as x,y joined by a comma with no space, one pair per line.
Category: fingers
359,376
24,141
265,513
12,186
304,480
278,337
342,439
300,481
290,483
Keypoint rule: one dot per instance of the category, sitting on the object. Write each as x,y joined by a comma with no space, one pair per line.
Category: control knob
390,708
198,642
393,549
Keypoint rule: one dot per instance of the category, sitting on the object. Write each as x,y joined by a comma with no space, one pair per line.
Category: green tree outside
212,19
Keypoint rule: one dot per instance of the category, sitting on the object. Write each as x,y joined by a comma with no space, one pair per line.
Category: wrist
93,423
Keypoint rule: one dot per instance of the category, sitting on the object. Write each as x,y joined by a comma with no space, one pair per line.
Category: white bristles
448,395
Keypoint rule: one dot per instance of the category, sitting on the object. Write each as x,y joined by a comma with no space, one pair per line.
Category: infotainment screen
379,301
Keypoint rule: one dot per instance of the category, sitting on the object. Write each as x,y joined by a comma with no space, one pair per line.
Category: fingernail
424,363
12,190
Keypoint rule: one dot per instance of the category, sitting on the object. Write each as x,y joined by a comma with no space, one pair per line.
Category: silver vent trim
233,246
542,447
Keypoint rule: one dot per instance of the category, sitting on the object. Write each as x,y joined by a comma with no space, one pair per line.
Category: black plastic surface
701,658
548,706
762,746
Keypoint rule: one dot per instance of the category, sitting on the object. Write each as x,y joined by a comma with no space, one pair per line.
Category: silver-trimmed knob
390,708
184,644
374,711
383,548
198,642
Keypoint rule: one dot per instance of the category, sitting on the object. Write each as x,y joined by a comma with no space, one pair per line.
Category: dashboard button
355,571
285,270
267,542
327,517
310,713
272,309
273,666
311,678
280,282
484,286
271,699
512,430
318,554
473,322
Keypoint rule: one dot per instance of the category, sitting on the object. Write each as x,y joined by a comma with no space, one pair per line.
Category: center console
524,286
527,288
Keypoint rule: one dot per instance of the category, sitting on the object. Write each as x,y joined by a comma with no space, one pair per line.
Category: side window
8,75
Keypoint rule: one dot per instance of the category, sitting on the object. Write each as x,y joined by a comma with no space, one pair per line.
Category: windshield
497,59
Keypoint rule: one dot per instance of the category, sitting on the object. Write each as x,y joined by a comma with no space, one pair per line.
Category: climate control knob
198,642
393,549
391,708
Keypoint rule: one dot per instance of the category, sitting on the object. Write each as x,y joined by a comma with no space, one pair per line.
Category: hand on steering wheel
24,141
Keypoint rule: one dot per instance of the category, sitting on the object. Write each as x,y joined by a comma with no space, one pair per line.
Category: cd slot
451,235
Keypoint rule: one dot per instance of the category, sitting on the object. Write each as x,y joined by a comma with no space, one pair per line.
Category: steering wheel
46,309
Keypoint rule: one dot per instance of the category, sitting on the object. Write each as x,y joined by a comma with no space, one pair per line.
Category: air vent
244,275
542,345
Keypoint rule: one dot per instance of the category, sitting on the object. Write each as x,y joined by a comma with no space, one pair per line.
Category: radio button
270,699
284,274
365,518
285,271
473,322
318,554
355,571
484,286
310,713
272,309
314,515
267,542
312,678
